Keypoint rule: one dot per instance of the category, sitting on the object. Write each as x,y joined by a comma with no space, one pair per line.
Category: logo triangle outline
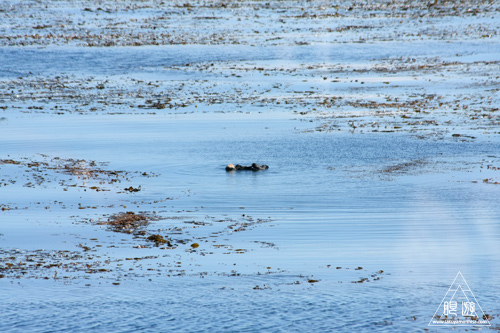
449,314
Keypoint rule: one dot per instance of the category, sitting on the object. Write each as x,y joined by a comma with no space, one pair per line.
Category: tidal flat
379,121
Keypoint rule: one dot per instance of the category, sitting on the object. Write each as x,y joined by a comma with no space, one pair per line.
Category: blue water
329,202
406,208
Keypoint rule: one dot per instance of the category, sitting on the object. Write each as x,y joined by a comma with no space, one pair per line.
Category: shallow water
384,171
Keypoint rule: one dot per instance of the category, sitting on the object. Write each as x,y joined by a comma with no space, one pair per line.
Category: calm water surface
406,209
329,202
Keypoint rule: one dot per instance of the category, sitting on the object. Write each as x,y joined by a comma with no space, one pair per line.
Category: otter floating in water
253,167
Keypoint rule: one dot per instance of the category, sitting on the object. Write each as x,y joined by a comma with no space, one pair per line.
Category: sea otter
253,167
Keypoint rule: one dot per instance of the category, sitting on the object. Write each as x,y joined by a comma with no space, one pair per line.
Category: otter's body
253,167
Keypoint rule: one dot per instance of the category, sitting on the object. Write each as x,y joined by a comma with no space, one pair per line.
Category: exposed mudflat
379,121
